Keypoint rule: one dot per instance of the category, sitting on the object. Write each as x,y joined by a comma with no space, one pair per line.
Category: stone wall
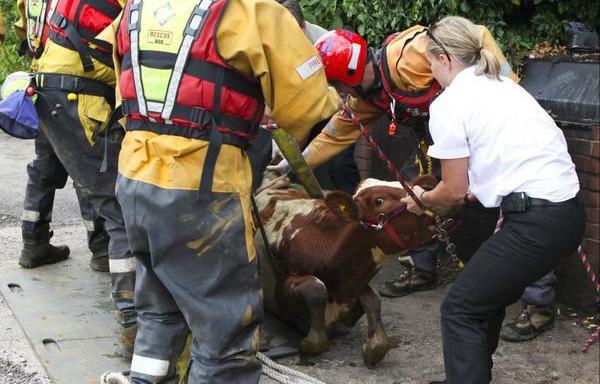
575,287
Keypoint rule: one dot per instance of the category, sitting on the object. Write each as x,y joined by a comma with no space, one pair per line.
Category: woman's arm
449,192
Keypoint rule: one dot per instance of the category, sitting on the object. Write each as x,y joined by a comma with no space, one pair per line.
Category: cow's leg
352,317
313,294
377,344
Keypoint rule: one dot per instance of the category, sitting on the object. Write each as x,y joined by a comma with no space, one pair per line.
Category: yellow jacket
410,74
262,40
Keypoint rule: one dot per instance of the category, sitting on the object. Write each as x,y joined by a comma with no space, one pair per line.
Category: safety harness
195,70
76,23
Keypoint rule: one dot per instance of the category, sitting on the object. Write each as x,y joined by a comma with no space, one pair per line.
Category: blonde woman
497,143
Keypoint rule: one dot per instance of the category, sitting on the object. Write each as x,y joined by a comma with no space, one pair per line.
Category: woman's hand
411,205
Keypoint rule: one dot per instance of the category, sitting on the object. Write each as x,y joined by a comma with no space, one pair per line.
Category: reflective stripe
149,366
53,5
195,23
134,23
122,265
155,106
354,58
35,29
89,225
32,216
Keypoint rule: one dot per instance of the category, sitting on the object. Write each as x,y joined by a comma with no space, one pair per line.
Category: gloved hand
281,169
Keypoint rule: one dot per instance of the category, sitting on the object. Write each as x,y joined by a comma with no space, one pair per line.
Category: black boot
38,251
98,245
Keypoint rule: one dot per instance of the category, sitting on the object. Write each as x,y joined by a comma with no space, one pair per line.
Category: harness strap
115,115
84,51
134,23
197,68
214,146
75,84
395,238
201,117
227,136
192,30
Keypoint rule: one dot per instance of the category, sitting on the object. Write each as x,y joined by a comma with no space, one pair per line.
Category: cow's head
375,201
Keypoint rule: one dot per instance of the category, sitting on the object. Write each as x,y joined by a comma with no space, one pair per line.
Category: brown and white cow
322,257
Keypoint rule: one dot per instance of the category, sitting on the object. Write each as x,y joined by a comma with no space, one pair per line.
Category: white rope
285,374
277,372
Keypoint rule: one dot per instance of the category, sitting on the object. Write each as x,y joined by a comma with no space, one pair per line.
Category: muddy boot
411,280
529,324
126,341
38,251
98,245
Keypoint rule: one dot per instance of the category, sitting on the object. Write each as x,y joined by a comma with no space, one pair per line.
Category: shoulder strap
191,33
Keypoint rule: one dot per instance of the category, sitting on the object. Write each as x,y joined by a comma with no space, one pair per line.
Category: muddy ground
412,322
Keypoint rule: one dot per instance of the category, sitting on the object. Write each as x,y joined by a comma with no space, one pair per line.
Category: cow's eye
378,202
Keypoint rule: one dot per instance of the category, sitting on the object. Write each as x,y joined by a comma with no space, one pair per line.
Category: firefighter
194,79
46,173
394,80
75,83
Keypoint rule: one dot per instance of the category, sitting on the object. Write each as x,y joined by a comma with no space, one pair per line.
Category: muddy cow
324,252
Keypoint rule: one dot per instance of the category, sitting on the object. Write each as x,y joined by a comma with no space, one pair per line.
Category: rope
284,374
277,372
390,167
441,225
588,343
588,268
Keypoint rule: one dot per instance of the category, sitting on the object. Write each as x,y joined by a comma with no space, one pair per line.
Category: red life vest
206,93
404,107
76,23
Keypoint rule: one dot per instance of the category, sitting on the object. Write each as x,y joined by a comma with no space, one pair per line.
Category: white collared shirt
512,144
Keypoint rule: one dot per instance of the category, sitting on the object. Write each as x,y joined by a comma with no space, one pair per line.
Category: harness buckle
200,116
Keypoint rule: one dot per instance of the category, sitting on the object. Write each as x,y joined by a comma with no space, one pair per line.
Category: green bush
517,24
10,61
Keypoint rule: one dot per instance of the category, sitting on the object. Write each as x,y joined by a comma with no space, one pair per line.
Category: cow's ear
342,205
427,182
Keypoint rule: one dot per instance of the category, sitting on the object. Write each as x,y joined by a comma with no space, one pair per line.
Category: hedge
517,24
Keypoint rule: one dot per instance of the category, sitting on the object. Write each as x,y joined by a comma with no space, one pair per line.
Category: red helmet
344,55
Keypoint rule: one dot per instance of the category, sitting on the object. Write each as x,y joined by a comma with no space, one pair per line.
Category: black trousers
529,245
46,174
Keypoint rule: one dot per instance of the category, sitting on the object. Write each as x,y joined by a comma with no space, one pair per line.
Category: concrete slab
64,309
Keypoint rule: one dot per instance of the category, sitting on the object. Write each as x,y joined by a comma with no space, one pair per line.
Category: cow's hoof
373,351
313,345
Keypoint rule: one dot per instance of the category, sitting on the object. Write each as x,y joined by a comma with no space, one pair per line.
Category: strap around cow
75,84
